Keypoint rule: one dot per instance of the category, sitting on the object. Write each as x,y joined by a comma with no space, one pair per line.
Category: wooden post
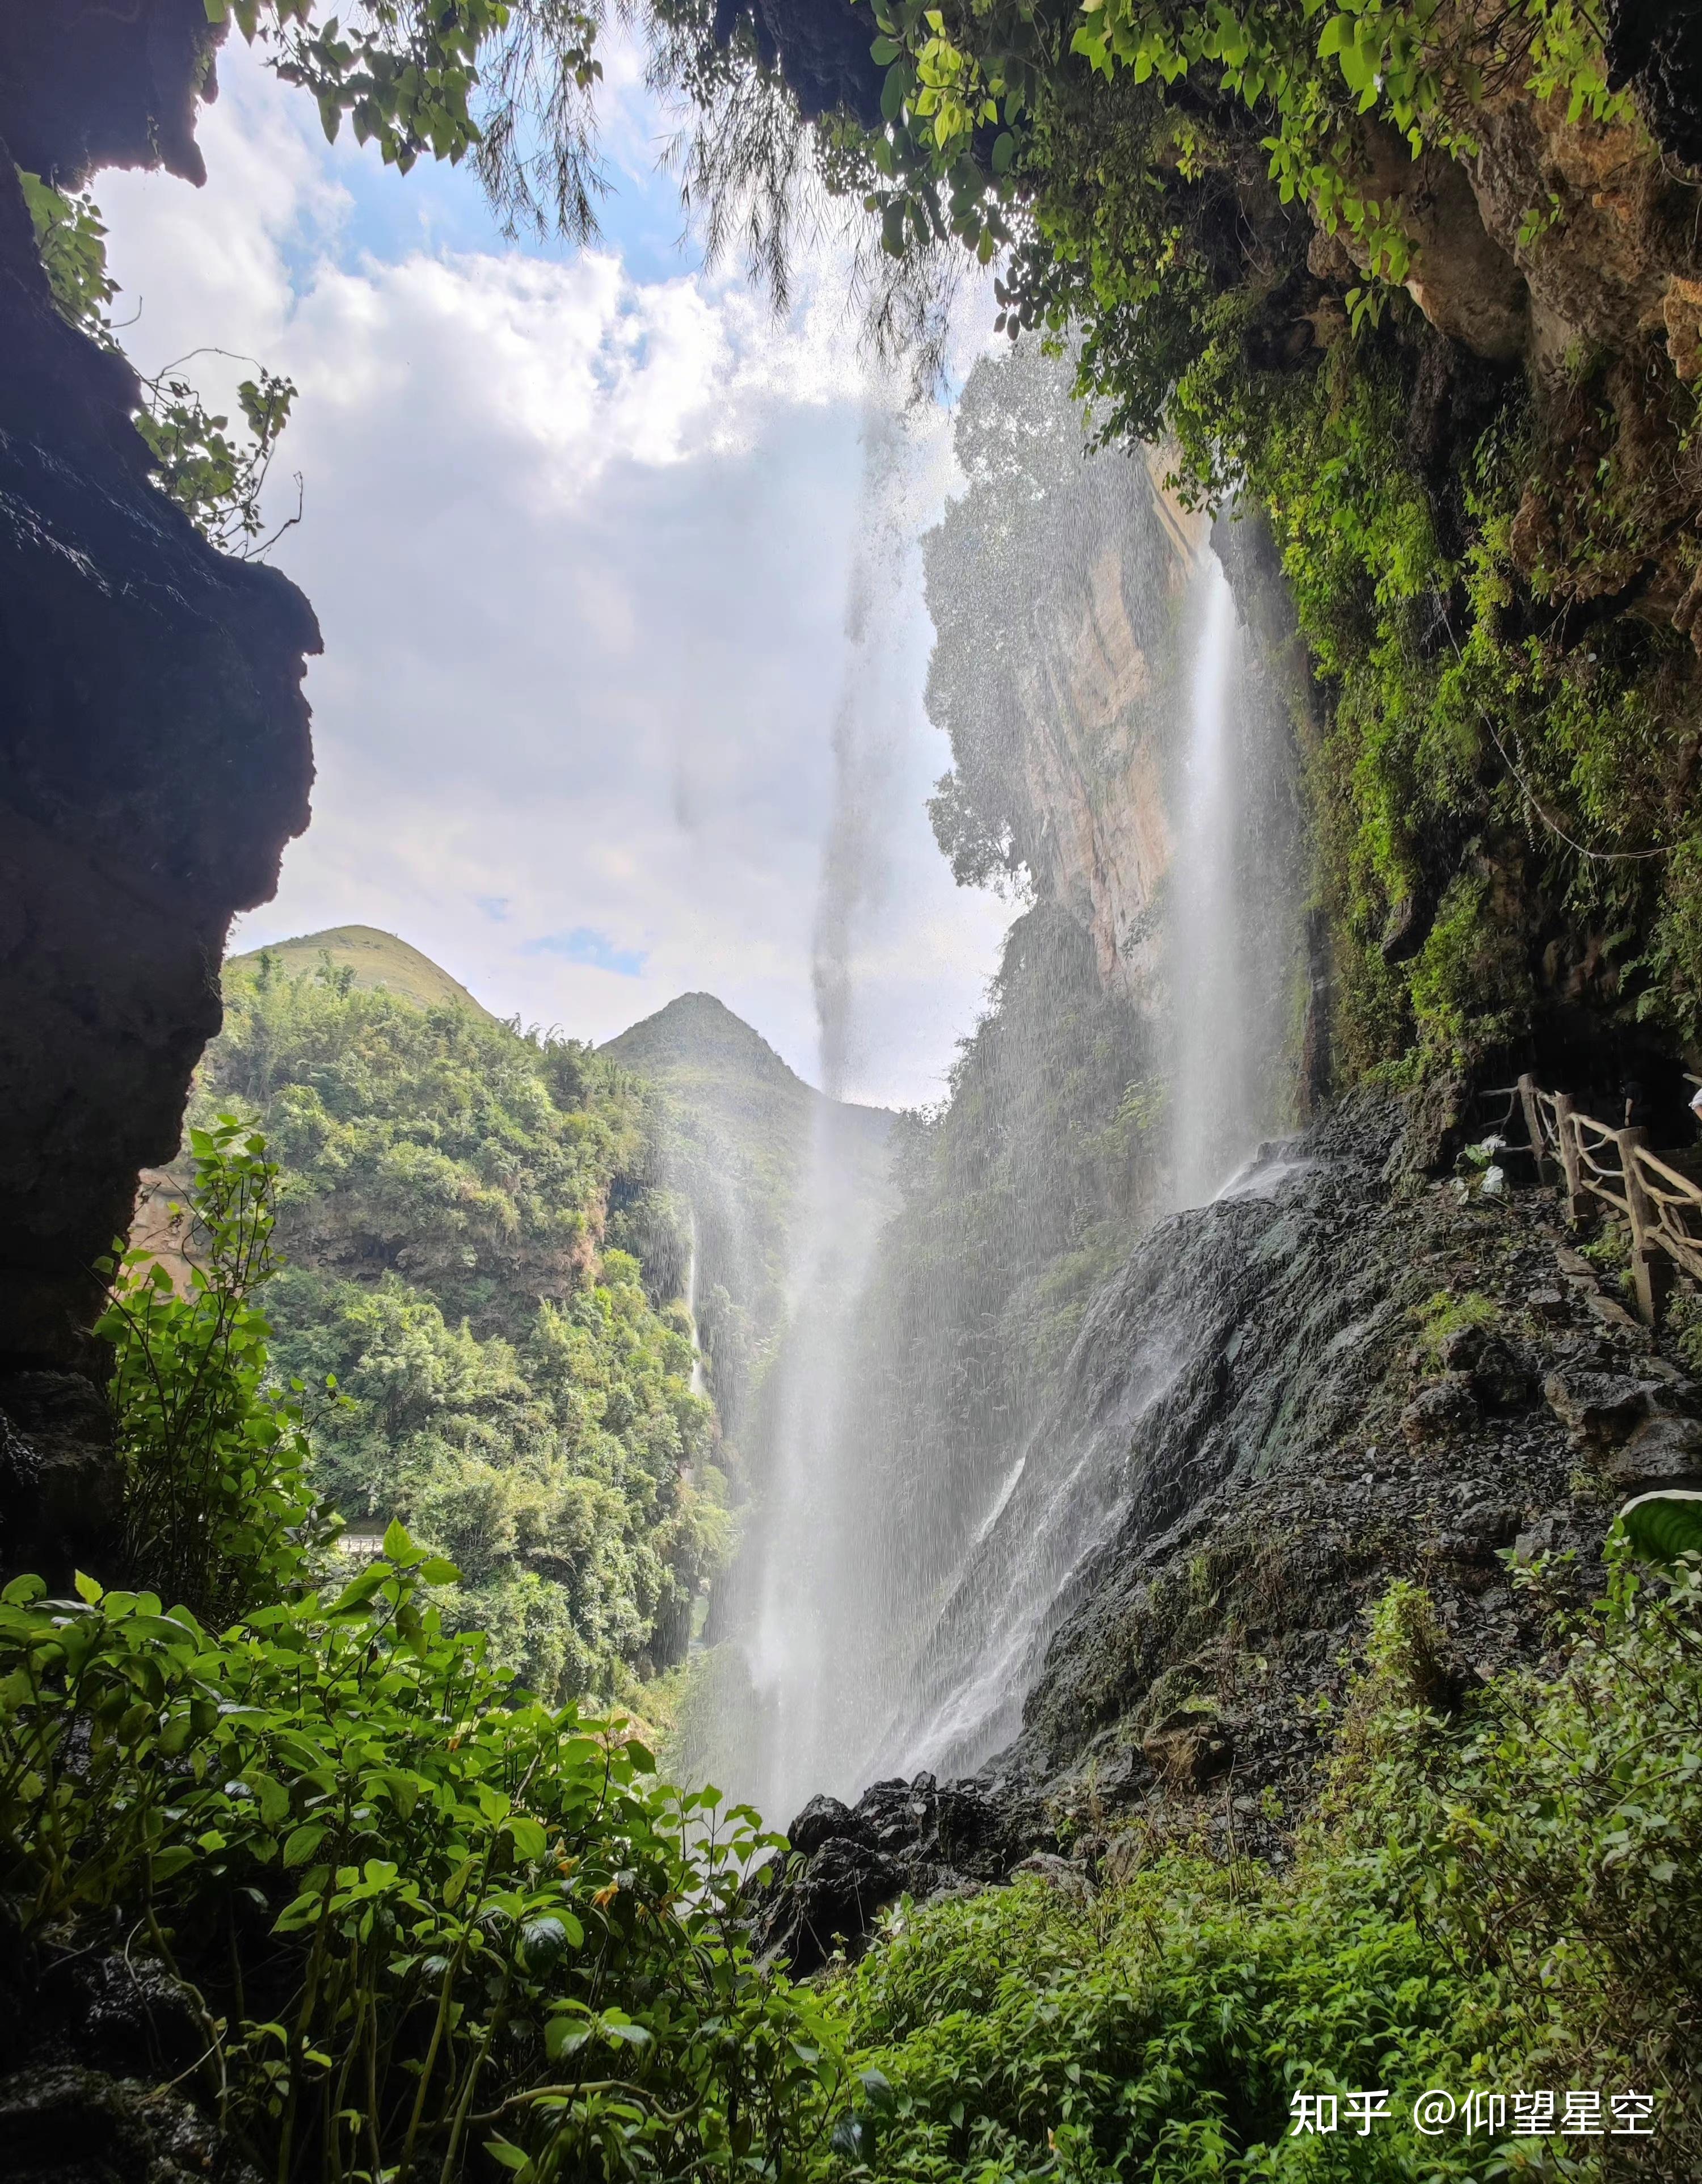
1648,1259
1533,1125
1567,1131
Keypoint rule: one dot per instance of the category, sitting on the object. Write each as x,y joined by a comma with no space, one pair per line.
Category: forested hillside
503,1383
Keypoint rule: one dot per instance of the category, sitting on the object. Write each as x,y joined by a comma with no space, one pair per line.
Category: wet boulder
68,2125
1664,1451
1602,1409
1448,1407
822,1820
1502,1378
829,1901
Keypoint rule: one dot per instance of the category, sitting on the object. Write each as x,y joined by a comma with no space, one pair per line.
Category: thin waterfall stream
1206,956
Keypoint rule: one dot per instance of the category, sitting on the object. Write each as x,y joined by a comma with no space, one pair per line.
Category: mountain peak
696,1031
378,960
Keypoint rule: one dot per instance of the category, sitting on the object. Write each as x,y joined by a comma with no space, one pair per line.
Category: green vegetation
216,480
501,1380
429,1926
1443,1315
426,1924
216,1505
375,959
1504,1900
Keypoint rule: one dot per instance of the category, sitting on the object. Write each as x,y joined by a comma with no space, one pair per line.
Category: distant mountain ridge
378,960
697,1033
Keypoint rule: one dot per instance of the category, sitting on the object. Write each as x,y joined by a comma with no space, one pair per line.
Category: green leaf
1664,1525
87,1588
529,1837
303,1842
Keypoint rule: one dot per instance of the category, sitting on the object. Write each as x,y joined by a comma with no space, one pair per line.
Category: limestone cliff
1095,689
155,759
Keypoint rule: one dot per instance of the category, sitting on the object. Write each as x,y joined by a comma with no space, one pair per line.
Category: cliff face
1095,686
155,759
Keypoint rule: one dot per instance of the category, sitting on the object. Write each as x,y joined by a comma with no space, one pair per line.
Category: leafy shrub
422,1913
1508,1900
418,1913
216,1507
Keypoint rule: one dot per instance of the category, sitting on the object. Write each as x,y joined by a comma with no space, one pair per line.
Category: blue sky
579,529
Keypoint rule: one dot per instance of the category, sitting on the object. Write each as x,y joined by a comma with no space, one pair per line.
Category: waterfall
699,1385
913,1541
1209,1134
794,1724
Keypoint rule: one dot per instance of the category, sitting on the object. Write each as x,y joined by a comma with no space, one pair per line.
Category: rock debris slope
1349,1370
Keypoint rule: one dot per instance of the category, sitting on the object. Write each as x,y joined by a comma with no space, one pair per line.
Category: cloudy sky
617,581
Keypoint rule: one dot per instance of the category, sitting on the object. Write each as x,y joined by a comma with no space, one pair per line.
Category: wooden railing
1662,1208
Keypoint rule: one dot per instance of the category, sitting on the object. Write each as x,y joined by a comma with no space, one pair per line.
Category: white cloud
579,542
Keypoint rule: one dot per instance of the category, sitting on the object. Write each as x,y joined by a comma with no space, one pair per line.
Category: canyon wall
156,760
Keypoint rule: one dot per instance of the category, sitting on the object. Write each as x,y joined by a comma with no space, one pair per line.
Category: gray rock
1461,1349
1664,1451
67,2125
831,1903
1501,1377
1614,1315
1601,1409
821,1819
1062,1874
1448,1407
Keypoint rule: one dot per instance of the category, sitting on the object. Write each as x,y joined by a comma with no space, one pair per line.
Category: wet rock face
1309,1450
68,2125
95,2050
919,1838
1655,48
1255,1435
154,759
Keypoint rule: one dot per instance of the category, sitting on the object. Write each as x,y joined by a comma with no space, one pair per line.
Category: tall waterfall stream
851,1668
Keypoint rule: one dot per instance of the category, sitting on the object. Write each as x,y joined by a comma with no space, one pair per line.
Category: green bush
427,1922
1510,1900
216,1507
421,1913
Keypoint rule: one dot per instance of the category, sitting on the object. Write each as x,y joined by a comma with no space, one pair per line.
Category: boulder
832,1901
1601,1409
1448,1407
1062,1874
1188,1750
1666,1451
68,2125
1501,1376
820,1820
